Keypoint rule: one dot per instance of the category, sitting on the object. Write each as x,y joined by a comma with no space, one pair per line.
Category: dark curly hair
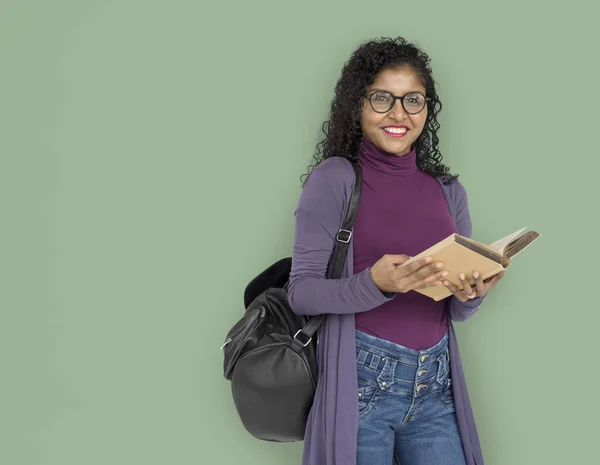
343,134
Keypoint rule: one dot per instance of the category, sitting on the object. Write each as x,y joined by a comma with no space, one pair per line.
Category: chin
397,147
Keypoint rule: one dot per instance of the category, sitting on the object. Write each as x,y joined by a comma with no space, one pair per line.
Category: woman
391,387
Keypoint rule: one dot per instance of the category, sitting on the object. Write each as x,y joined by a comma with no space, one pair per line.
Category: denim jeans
406,407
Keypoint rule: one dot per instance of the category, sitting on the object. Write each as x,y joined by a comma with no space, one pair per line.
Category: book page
500,244
520,244
482,249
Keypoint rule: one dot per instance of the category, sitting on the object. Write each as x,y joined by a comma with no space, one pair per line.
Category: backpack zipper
262,314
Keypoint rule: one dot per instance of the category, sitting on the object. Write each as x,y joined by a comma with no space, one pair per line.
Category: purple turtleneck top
402,210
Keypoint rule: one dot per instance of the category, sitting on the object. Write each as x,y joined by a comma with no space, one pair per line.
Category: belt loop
386,377
375,359
362,356
442,366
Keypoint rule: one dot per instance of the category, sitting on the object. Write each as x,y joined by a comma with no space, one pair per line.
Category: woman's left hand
481,287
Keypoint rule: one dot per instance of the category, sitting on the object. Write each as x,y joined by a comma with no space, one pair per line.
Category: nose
397,111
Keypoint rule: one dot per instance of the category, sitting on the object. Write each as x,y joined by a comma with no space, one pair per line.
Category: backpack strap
338,257
340,250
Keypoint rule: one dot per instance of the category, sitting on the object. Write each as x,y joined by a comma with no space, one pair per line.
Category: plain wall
151,154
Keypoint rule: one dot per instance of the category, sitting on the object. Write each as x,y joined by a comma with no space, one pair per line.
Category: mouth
396,131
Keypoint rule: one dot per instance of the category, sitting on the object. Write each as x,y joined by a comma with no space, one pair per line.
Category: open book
463,255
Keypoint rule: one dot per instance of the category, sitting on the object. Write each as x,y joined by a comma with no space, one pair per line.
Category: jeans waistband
387,349
394,365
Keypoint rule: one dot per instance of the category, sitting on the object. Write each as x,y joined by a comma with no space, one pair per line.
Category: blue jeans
406,407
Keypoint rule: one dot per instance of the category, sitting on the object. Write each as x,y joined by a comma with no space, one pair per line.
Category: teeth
395,130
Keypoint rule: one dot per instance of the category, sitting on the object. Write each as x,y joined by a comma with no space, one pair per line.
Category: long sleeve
462,311
319,214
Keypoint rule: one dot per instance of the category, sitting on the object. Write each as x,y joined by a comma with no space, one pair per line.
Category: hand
388,276
481,287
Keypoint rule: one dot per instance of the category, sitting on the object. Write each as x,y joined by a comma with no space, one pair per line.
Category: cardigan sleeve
462,311
319,214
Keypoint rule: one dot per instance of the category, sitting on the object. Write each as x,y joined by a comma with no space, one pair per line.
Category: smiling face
395,131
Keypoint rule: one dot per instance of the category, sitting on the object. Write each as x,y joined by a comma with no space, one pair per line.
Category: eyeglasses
382,101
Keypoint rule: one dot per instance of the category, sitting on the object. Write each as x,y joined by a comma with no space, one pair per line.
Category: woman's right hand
389,276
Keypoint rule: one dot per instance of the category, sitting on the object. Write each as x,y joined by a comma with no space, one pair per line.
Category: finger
479,284
498,277
396,259
422,265
492,282
428,270
456,291
433,280
467,289
424,277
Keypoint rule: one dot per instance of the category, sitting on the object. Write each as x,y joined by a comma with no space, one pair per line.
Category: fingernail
462,276
444,274
446,283
476,275
439,265
428,260
438,283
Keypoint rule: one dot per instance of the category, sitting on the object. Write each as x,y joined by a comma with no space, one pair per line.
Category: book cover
464,255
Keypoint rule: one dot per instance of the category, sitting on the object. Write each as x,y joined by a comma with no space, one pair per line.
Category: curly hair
343,133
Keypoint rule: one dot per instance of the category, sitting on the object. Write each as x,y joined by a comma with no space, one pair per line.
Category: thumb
397,259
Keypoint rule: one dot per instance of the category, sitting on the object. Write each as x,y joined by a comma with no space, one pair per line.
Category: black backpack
271,354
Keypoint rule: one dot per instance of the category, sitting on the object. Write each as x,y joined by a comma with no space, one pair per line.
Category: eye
381,97
415,99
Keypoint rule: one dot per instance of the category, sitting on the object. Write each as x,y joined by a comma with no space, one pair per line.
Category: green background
151,154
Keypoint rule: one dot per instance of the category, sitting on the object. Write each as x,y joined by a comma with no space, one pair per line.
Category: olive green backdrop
151,154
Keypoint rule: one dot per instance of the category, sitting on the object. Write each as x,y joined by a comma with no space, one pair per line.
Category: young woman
391,387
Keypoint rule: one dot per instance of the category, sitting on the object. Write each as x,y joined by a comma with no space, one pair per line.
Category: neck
389,163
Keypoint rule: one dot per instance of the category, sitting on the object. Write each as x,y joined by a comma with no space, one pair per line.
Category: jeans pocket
445,394
366,397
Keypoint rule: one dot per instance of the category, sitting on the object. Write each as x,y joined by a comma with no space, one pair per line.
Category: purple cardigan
332,429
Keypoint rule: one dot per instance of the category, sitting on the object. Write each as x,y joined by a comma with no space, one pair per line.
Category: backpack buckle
344,236
300,341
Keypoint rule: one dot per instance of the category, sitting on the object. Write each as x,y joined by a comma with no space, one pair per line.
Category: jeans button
424,356
421,372
384,384
421,386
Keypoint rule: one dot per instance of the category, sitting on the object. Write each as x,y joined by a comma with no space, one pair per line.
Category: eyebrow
384,90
